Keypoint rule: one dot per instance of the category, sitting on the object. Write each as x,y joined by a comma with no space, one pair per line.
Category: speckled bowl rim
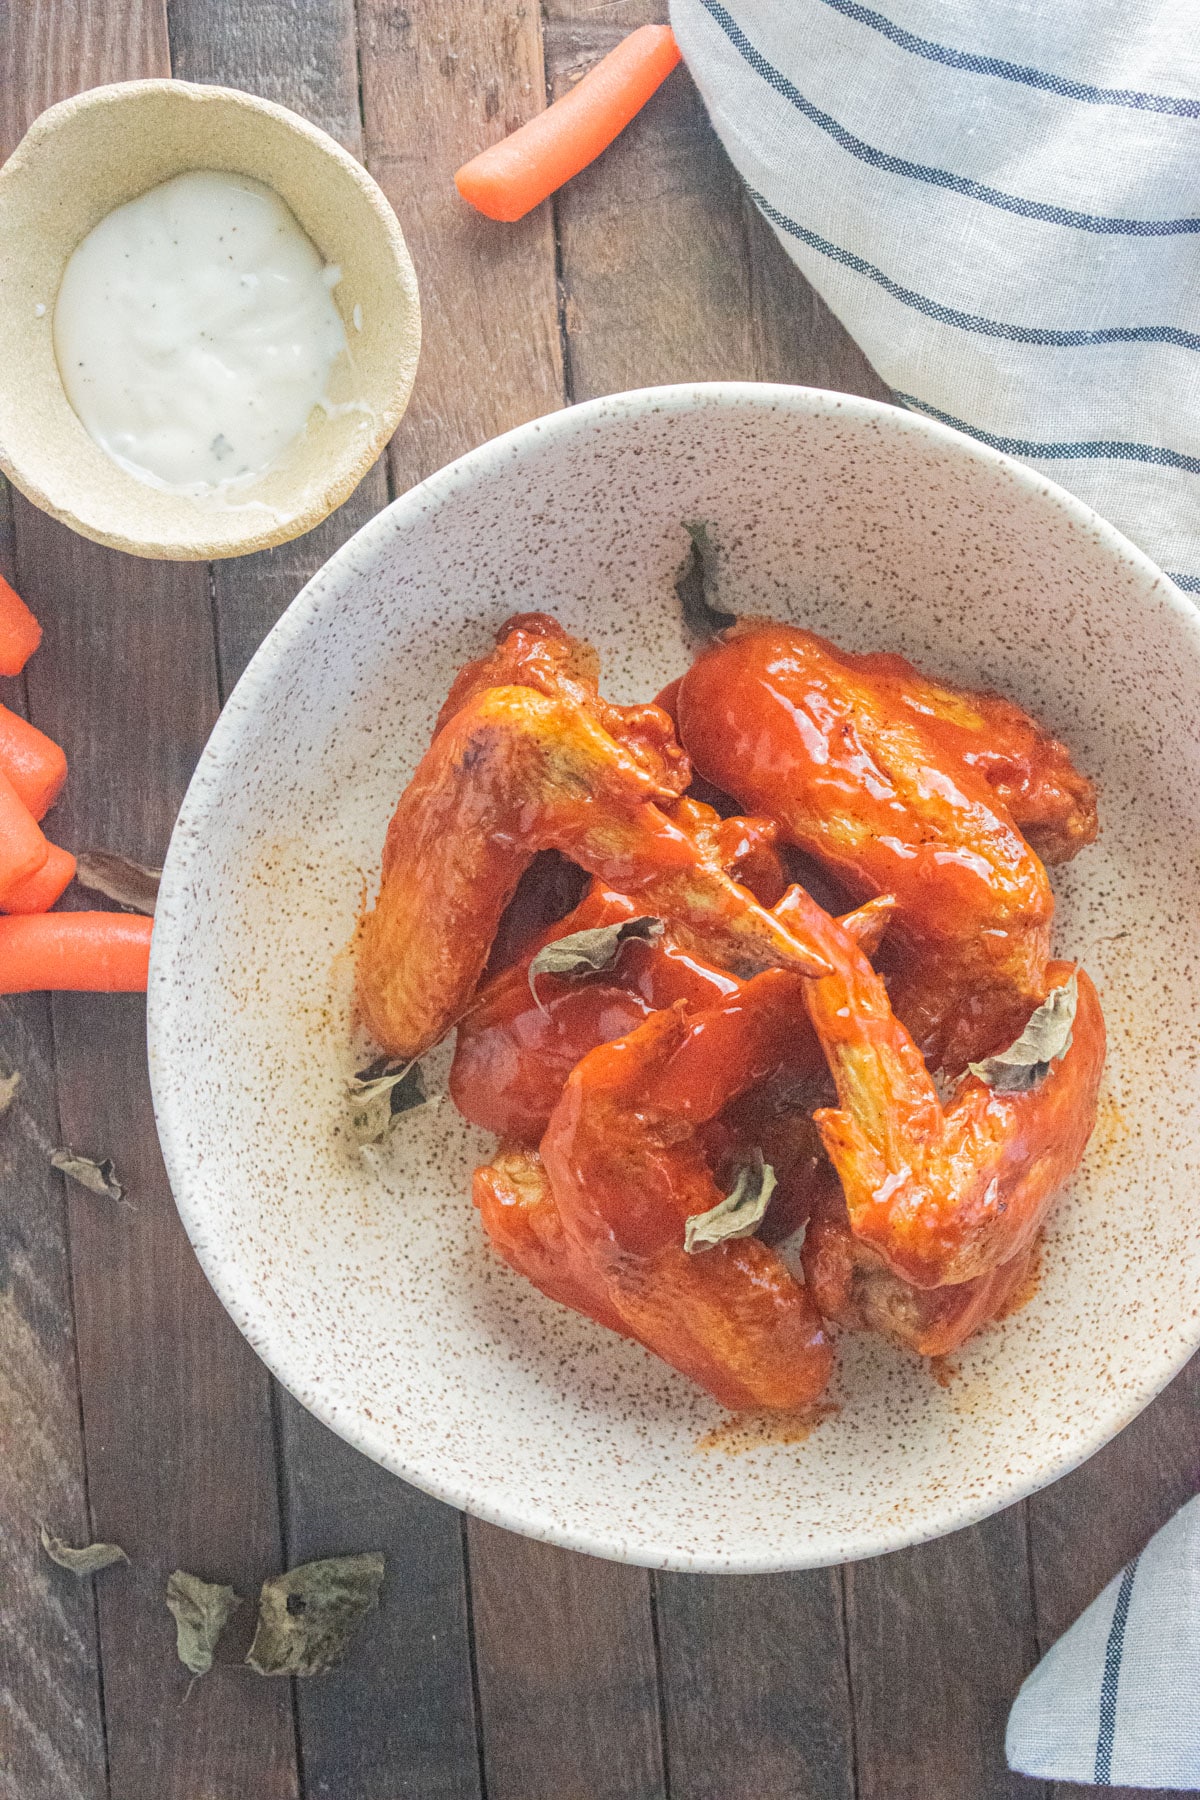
304,617
389,408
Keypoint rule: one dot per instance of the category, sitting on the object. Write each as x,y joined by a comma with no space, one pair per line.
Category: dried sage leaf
307,1617
590,952
201,1610
118,878
100,1177
696,585
739,1215
88,1559
8,1089
380,1094
1045,1038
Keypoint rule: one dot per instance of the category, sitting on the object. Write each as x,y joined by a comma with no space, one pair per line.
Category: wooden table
130,1408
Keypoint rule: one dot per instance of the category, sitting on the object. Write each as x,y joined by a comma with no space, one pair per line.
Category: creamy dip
195,331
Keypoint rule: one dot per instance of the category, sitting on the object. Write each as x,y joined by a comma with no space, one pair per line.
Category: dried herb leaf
739,1215
1045,1038
100,1177
590,952
201,1610
380,1094
87,1560
8,1089
307,1617
696,585
118,878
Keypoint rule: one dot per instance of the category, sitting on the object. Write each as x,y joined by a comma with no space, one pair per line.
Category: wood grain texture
51,1725
398,1719
757,1698
175,1411
655,278
175,1405
566,1664
50,49
397,1722
438,83
941,1637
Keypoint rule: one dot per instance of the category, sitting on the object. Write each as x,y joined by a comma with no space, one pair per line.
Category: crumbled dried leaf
590,952
8,1089
100,1177
380,1094
1045,1038
307,1617
739,1215
88,1559
118,878
201,1610
697,586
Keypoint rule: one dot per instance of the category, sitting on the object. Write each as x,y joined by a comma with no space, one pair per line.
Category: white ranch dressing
195,331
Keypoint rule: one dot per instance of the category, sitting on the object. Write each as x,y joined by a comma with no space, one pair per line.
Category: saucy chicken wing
512,772
905,788
521,1218
853,1287
515,1050
628,1167
532,650
943,1194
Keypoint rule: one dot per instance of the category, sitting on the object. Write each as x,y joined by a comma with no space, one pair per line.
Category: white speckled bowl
366,1285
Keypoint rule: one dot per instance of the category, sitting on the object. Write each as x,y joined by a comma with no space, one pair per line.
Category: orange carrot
92,952
32,761
510,178
37,893
20,633
23,849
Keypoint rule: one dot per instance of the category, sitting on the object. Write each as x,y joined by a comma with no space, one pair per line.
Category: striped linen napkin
1002,205
1116,1702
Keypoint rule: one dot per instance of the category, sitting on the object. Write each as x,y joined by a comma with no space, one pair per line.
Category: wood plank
399,1718
175,1414
655,275
175,1405
567,1676
941,1637
437,84
1088,1526
305,57
757,1697
51,1724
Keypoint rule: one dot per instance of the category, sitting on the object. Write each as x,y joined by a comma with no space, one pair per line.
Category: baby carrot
91,952
37,893
32,761
23,849
20,633
510,178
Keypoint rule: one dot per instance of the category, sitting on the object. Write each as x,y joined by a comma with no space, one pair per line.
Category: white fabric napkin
1001,202
1116,1701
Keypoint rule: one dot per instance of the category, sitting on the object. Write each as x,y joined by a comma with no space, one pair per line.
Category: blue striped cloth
1116,1702
1002,205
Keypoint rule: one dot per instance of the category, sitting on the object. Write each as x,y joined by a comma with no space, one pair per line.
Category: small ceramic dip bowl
92,153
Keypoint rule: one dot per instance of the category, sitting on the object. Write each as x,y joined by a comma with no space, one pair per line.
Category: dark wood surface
130,1408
